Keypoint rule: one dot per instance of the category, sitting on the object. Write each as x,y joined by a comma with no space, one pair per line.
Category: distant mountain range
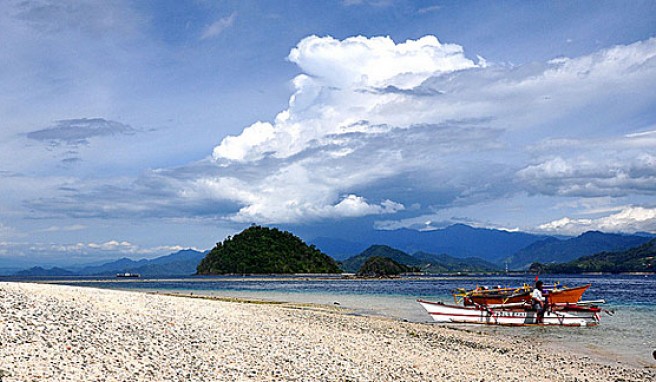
42,272
181,263
458,240
426,262
496,247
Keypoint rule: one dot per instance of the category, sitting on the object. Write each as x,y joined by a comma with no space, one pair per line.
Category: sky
138,128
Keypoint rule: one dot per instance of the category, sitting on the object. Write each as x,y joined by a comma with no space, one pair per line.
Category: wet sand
63,333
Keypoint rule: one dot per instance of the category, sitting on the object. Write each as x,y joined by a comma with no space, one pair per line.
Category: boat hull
567,296
563,316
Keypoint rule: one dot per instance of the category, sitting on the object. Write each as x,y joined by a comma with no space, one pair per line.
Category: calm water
628,336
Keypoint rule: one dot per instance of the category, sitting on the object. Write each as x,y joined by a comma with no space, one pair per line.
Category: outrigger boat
485,296
512,306
515,314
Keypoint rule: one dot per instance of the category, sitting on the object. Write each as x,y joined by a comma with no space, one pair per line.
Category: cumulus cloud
330,97
360,62
629,219
353,205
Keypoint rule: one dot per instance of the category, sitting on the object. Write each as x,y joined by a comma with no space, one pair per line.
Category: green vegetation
262,250
377,266
638,259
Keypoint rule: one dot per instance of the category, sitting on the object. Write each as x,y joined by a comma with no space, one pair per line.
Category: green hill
637,259
353,264
377,266
260,250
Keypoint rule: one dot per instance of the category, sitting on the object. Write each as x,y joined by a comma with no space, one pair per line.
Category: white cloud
355,206
239,148
331,98
646,135
112,245
359,62
629,219
217,27
556,167
613,171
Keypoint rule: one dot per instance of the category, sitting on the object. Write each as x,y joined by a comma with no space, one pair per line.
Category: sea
626,335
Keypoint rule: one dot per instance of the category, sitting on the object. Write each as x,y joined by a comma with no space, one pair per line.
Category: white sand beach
62,333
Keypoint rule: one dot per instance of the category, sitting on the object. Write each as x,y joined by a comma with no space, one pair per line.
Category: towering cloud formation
342,91
341,126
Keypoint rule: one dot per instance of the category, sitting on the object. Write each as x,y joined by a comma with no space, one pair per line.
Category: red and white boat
517,314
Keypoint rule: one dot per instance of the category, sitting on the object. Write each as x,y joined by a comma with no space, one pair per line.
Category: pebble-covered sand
61,333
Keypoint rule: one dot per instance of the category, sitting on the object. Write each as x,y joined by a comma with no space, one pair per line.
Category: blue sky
135,128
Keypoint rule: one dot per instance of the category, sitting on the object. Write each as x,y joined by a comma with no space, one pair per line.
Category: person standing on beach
538,301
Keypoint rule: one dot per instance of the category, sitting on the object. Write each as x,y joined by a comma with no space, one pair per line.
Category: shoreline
542,334
56,332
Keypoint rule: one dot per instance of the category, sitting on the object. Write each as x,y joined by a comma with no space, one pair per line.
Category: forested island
263,250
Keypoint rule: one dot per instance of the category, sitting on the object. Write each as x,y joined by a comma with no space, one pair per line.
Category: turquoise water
628,336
